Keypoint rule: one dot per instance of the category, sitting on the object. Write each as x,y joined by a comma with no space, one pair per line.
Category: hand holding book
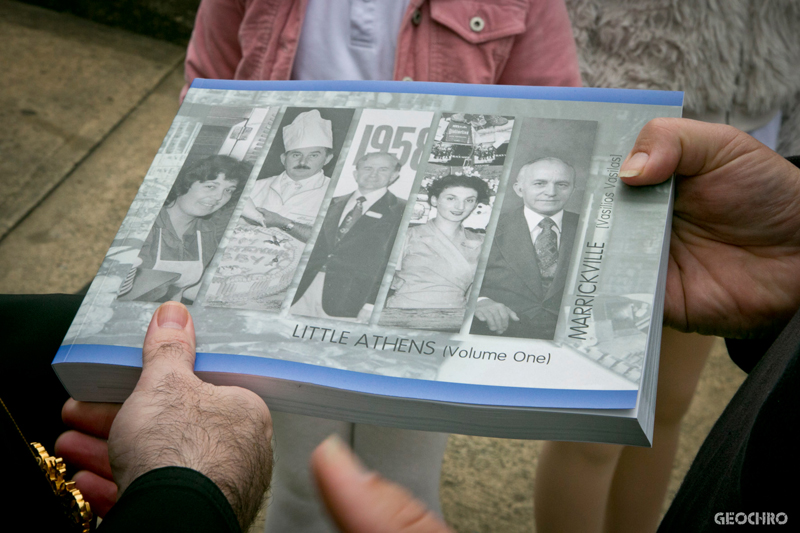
146,433
172,419
735,248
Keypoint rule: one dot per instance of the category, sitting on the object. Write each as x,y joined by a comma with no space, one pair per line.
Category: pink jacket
521,42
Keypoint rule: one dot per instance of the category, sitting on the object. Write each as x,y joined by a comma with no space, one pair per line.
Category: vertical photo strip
347,264
264,251
223,143
435,272
523,285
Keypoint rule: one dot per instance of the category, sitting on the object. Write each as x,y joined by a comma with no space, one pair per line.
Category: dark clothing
32,327
167,499
512,278
171,499
746,353
355,263
748,462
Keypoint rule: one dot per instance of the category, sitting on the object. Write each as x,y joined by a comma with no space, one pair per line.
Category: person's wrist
175,419
241,469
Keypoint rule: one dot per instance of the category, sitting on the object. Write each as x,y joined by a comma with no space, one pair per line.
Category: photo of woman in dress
439,258
185,235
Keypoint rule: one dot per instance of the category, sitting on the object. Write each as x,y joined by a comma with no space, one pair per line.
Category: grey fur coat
724,54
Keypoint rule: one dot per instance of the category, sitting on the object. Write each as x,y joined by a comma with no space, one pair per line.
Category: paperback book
444,257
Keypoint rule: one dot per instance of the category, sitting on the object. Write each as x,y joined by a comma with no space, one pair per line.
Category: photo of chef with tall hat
262,255
291,199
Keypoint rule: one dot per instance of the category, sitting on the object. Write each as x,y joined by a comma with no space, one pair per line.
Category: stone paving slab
66,83
60,245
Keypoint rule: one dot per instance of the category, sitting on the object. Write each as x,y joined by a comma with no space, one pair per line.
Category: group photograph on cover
276,258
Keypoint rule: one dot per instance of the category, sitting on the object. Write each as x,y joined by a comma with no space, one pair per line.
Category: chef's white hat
308,130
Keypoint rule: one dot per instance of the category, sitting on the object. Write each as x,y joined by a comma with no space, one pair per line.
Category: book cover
431,256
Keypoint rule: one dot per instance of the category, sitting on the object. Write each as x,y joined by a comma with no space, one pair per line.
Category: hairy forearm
213,436
173,419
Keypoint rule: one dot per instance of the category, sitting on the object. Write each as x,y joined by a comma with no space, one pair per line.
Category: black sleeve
32,327
747,352
171,499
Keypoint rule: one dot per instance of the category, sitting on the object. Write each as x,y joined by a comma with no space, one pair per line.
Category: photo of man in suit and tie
346,266
527,268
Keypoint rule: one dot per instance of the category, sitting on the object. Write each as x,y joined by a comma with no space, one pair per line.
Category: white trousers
410,458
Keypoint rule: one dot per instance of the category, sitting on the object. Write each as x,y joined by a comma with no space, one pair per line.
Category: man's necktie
546,246
352,217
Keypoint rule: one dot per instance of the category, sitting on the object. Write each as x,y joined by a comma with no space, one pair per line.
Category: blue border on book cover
365,383
572,94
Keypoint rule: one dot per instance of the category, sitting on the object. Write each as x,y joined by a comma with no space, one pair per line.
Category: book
444,257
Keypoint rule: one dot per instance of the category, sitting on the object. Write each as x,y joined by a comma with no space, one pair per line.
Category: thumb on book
169,345
672,145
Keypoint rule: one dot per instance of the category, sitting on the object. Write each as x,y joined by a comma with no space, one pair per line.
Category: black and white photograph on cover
470,140
523,284
350,255
262,255
222,143
435,271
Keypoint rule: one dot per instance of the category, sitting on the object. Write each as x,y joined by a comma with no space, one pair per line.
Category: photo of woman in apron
186,233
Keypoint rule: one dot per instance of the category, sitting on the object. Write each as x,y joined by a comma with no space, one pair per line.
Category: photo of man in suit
348,261
527,268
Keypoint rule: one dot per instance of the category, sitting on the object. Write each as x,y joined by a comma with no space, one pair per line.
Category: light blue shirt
349,40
